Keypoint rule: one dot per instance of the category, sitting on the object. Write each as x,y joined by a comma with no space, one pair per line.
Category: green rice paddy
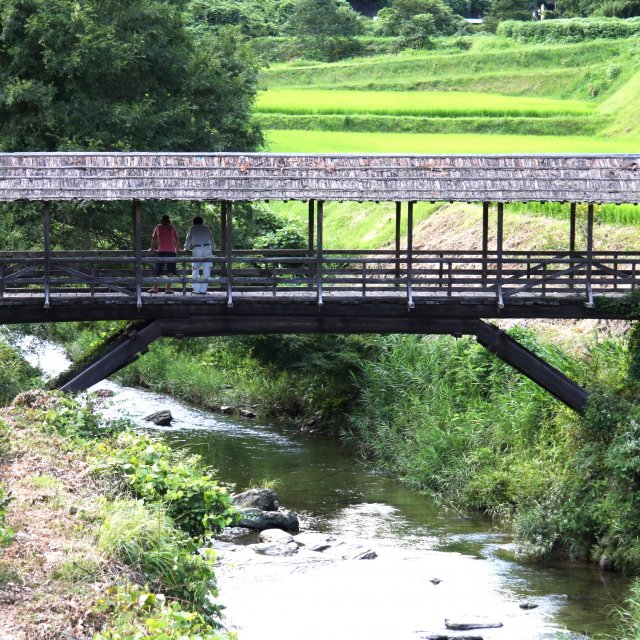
414,103
295,141
498,97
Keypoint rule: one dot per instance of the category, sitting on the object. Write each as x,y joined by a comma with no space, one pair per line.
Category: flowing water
391,597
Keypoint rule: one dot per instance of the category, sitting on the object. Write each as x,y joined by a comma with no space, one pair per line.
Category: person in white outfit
200,242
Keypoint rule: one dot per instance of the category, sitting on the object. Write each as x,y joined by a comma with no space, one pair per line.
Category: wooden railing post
485,241
589,302
572,239
310,246
319,211
499,239
398,242
410,254
228,217
137,249
47,253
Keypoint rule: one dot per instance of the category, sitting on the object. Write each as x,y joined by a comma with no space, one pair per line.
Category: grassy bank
107,526
296,141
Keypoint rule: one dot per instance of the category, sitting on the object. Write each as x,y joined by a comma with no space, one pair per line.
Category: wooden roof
262,176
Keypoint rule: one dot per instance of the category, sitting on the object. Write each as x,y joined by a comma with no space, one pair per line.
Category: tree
508,10
396,19
328,26
107,75
416,33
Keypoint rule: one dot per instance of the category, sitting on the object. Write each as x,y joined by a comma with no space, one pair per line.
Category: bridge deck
515,284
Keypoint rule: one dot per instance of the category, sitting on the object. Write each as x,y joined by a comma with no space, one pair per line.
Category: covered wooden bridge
399,289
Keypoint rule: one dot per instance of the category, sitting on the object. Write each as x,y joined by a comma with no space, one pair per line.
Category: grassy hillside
560,98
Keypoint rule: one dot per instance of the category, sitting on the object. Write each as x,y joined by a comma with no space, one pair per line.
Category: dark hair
165,219
198,220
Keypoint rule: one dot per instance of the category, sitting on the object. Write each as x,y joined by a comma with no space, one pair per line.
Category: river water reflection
391,597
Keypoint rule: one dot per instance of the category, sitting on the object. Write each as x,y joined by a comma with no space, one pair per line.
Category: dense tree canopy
111,75
107,74
430,17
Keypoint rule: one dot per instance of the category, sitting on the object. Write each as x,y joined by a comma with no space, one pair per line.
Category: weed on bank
127,517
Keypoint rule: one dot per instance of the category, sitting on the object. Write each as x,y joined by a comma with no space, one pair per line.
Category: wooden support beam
410,255
137,249
532,366
499,241
485,241
589,302
47,253
229,250
118,357
312,215
223,228
572,227
398,241
311,241
319,256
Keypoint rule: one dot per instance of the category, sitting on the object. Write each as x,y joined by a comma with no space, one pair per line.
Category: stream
391,597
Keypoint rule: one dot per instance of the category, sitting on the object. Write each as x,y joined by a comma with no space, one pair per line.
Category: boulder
440,636
235,534
276,549
275,536
247,413
315,541
225,408
474,622
104,393
260,520
528,605
264,499
161,418
351,551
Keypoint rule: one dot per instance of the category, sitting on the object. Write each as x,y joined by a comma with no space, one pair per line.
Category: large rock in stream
260,520
264,499
161,418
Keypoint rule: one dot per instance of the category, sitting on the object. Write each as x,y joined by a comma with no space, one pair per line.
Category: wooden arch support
495,340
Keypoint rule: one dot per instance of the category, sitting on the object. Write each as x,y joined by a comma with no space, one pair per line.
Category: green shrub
569,30
71,419
195,501
6,533
146,539
16,374
137,614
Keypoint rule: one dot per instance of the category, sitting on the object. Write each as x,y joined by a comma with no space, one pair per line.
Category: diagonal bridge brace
489,336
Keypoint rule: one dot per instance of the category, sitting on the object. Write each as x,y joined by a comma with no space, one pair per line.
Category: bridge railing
414,275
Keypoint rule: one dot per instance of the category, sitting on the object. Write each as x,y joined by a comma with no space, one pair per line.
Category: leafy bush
6,533
69,418
146,539
195,501
569,30
138,614
16,374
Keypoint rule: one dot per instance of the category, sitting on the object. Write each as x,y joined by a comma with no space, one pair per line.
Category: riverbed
432,563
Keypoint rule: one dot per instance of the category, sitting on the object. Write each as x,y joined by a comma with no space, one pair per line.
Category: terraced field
496,97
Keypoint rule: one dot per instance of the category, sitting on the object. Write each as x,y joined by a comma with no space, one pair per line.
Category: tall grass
618,214
433,104
549,126
279,140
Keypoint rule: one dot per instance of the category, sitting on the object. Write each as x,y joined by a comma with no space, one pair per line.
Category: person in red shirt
165,238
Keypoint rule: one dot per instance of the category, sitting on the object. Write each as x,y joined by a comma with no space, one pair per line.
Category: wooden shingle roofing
262,176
